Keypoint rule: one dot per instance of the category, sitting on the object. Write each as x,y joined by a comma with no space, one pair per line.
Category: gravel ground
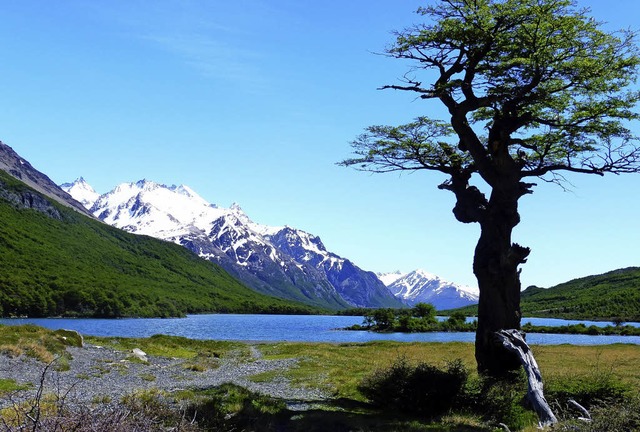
98,373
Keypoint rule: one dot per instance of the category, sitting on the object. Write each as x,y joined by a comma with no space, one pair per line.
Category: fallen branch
513,341
583,410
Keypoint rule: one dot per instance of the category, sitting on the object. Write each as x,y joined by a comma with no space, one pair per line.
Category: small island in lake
422,318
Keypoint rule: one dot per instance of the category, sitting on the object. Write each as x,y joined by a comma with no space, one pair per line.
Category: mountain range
420,286
57,260
282,261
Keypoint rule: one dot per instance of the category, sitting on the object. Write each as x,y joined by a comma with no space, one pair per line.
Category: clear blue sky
254,101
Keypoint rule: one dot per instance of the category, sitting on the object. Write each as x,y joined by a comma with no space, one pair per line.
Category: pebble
99,374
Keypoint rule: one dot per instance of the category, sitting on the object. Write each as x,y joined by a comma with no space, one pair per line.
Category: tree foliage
535,82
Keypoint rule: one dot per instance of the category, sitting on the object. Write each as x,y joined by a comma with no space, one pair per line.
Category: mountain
55,261
280,261
21,169
359,288
422,287
81,191
389,278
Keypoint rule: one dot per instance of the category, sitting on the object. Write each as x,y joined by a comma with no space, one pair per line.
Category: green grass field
588,372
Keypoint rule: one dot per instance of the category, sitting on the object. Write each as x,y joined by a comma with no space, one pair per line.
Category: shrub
422,389
622,416
230,407
502,400
589,390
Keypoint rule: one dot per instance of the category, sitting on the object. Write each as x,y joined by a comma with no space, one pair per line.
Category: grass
559,362
578,371
340,368
199,351
33,341
8,385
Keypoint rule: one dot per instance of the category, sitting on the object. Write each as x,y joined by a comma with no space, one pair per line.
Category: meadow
605,379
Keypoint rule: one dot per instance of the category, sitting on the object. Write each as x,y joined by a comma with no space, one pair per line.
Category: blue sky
254,102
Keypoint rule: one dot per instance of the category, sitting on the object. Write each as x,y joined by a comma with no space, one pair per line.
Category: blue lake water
298,328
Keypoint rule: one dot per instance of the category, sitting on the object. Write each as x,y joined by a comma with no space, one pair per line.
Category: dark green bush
421,389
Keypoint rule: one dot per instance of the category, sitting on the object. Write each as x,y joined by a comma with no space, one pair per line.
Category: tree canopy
535,81
533,89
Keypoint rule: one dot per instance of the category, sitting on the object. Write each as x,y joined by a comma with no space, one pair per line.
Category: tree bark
513,341
495,265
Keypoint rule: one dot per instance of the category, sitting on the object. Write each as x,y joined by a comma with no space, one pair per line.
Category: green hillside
56,262
615,294
612,295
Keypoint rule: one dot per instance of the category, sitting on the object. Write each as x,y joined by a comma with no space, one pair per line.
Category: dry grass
560,361
340,368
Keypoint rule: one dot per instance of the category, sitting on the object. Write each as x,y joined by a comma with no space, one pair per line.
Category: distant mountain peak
420,286
390,277
81,191
425,274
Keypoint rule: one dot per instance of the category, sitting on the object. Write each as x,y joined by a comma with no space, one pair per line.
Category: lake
298,328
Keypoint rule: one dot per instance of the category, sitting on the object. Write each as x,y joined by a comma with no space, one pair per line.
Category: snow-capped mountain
420,286
389,278
81,191
357,287
281,261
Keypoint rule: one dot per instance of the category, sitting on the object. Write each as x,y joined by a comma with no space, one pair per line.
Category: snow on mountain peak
269,259
185,190
81,191
425,274
391,277
420,286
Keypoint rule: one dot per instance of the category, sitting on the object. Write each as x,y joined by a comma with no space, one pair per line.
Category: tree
534,89
425,310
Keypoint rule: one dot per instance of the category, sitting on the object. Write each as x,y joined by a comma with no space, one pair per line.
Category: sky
254,102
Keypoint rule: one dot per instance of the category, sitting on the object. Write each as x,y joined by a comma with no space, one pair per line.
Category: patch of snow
82,192
389,278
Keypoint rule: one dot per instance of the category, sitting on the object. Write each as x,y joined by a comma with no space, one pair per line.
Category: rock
139,354
70,337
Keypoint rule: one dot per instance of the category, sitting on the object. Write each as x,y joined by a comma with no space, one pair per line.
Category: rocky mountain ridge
21,169
420,286
281,261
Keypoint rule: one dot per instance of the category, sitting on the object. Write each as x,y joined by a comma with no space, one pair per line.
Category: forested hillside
57,262
609,296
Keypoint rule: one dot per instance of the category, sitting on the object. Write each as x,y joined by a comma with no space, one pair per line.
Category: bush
230,407
597,388
502,400
623,416
422,389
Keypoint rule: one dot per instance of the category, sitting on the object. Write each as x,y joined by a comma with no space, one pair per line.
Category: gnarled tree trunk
495,265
